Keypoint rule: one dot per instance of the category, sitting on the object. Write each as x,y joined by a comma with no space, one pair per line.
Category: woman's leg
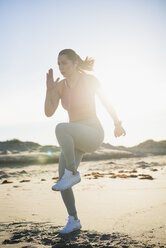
67,195
75,139
79,136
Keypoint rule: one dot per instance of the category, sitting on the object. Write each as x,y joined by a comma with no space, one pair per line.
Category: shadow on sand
32,235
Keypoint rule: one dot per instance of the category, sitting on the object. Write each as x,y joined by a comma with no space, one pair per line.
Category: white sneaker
72,225
67,180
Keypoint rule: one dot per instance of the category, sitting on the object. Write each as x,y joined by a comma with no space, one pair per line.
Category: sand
114,211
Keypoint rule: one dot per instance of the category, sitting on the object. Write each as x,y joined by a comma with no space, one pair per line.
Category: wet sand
117,203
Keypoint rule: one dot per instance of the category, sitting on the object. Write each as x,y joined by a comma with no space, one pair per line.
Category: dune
19,152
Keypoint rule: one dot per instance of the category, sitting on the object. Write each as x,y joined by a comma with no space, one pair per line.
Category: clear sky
127,40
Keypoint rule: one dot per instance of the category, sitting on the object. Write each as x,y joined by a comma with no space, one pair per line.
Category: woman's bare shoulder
92,80
89,76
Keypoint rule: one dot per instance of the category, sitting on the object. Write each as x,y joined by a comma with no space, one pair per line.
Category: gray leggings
76,139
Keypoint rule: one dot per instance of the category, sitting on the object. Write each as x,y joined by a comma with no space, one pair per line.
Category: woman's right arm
52,95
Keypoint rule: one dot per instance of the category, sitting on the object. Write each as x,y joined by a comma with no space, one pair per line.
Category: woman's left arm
119,130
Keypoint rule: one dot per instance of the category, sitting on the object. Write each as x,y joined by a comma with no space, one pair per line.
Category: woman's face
66,66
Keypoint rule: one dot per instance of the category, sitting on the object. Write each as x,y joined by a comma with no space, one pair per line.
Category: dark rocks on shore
144,176
55,178
6,181
152,169
125,171
96,175
25,181
133,175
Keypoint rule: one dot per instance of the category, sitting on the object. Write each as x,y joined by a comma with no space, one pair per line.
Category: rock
97,174
132,175
152,169
86,175
125,171
6,181
146,177
113,176
142,175
25,181
55,178
123,176
133,171
110,173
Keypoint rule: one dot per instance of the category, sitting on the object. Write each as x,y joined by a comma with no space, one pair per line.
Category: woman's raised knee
60,128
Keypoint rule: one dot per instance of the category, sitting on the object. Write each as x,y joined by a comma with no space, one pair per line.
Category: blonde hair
82,65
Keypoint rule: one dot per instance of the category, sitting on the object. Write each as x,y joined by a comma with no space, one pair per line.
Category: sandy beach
120,202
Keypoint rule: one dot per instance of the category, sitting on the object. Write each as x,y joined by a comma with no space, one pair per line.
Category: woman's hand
50,80
118,131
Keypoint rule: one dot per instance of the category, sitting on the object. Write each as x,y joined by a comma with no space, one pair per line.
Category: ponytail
82,65
86,64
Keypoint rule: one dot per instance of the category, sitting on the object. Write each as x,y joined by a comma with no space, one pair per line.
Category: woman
84,132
